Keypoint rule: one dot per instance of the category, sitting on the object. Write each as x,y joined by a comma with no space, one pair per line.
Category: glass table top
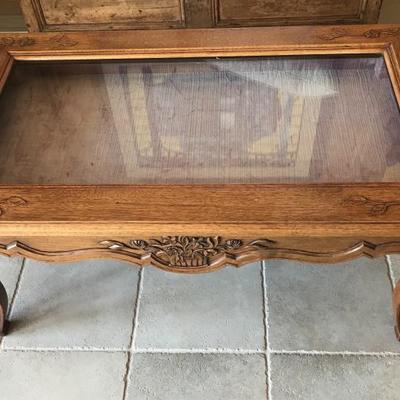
235,120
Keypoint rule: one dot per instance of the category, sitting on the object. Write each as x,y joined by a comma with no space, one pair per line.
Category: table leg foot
3,308
396,309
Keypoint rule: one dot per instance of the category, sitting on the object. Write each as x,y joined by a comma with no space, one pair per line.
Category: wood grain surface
3,309
62,15
253,12
396,309
339,219
201,227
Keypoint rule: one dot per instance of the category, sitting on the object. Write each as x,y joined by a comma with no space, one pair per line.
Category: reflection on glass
253,120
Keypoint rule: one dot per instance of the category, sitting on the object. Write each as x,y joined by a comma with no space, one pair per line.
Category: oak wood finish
396,309
200,228
3,309
62,15
289,12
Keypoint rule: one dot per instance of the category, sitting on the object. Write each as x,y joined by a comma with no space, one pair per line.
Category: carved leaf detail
7,41
63,40
13,201
22,41
374,207
336,33
377,33
26,41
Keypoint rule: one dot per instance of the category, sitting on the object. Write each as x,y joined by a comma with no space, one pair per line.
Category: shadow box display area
195,149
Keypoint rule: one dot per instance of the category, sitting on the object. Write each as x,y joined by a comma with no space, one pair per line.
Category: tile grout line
136,314
202,351
65,349
13,297
336,353
198,351
133,334
390,271
266,331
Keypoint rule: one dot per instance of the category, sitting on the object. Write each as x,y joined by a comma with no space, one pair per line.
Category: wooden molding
33,18
191,254
6,63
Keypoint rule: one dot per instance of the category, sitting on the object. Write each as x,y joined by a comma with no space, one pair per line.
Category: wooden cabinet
58,15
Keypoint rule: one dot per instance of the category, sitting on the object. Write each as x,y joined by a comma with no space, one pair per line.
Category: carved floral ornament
187,252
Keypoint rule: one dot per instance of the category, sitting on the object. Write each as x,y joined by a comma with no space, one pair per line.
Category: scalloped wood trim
198,254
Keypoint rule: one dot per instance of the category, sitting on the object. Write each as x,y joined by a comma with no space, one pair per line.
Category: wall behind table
390,13
10,16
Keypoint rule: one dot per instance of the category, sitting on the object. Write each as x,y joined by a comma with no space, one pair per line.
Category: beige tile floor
273,330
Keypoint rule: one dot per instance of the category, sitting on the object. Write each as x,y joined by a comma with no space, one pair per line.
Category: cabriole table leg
396,308
3,308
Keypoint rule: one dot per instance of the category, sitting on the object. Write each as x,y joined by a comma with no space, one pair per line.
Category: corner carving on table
336,33
25,41
374,207
10,202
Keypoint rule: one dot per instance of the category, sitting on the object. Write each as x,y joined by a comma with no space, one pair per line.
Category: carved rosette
183,253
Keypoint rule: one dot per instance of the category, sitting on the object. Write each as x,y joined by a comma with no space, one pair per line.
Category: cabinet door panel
269,12
109,14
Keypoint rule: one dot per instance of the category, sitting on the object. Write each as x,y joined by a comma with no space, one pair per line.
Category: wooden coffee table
193,149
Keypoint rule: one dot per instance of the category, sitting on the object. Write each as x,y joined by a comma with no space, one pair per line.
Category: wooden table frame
200,228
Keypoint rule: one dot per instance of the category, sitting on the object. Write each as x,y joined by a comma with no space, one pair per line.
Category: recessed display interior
235,120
